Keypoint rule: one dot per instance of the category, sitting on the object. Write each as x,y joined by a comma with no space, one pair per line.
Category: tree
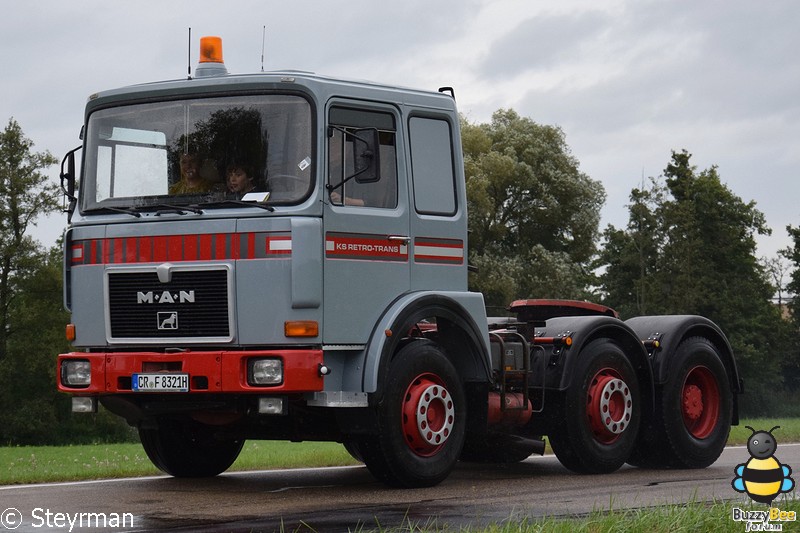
792,253
27,380
689,248
532,213
632,255
791,364
40,414
31,314
25,194
710,246
777,268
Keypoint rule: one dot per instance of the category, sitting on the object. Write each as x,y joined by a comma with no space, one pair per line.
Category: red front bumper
209,371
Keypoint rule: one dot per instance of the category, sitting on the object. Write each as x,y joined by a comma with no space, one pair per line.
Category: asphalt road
349,499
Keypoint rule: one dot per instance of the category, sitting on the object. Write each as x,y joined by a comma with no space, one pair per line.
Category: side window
343,123
432,166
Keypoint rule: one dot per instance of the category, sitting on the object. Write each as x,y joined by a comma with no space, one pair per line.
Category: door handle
403,239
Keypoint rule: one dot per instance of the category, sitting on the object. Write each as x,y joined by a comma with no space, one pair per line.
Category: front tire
600,411
189,449
422,415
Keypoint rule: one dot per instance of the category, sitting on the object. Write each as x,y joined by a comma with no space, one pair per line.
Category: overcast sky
627,80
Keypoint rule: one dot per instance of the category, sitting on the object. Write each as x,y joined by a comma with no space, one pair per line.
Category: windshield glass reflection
203,151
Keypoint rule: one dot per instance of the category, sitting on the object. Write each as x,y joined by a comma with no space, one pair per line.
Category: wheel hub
610,406
700,402
435,415
428,415
692,402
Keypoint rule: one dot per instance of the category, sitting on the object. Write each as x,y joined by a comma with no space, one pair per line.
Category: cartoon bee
762,477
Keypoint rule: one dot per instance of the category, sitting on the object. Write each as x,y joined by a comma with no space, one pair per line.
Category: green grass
690,517
696,516
789,429
40,464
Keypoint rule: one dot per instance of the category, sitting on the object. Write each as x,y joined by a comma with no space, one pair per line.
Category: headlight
76,373
262,372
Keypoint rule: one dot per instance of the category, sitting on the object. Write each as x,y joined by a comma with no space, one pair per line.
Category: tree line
689,247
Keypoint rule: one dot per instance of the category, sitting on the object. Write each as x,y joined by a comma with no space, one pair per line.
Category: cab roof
318,87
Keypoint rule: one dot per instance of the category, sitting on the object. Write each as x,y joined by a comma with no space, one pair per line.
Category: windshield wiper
218,203
180,210
126,210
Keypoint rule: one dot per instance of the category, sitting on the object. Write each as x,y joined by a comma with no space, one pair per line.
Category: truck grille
193,304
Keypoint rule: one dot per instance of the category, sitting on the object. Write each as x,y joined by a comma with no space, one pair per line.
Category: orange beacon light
211,50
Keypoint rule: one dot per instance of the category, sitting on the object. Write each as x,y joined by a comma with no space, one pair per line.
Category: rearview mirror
68,180
366,155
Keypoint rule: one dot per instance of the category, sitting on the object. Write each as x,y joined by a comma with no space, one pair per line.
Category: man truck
328,300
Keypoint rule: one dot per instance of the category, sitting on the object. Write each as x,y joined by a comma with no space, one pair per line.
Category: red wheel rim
700,402
428,415
609,405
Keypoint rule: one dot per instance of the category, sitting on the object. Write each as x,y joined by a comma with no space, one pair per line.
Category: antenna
189,58
263,41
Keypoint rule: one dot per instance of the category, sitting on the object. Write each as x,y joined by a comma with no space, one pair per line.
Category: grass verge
695,516
43,464
789,430
714,517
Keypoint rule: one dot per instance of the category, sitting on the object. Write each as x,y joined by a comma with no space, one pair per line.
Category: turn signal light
69,331
301,328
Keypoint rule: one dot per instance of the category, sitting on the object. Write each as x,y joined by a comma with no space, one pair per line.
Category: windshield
203,150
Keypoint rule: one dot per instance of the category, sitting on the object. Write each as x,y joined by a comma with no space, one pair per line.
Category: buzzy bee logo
763,478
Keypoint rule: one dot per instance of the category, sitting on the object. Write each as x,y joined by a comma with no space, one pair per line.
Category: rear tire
422,417
600,411
189,449
693,412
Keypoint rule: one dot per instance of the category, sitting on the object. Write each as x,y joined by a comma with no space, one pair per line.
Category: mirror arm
332,188
350,134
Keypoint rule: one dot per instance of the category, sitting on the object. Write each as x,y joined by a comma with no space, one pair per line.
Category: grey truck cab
201,312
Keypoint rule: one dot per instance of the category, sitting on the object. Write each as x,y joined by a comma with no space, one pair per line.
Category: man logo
167,320
166,297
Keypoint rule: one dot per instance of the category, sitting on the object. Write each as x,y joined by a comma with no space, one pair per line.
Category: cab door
366,225
438,202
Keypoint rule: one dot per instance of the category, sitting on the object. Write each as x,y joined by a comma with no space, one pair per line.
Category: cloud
543,42
630,82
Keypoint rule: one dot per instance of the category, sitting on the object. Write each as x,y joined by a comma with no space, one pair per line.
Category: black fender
465,343
671,330
584,329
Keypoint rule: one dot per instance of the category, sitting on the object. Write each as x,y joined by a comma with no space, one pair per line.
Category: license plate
160,382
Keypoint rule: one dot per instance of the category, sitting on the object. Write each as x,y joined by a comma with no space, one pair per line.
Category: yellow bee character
762,477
